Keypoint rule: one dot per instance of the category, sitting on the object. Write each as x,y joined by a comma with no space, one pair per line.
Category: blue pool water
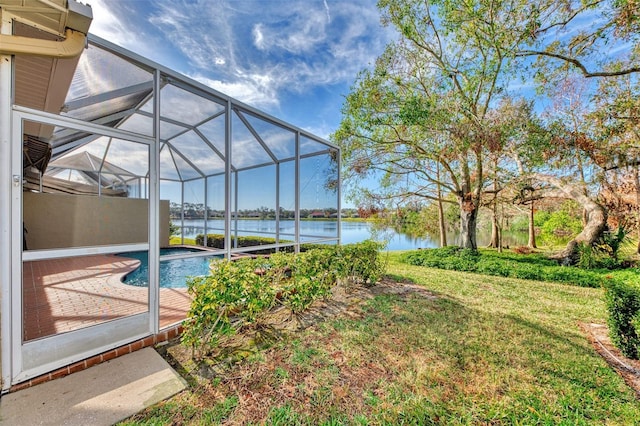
173,273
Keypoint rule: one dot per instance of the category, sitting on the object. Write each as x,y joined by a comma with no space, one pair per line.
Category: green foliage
587,258
623,304
312,277
173,229
519,224
559,226
239,293
233,296
361,263
609,246
529,267
604,253
217,241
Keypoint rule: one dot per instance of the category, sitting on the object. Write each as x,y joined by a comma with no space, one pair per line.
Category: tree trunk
441,225
532,228
596,218
596,224
469,201
495,228
441,222
500,228
468,222
636,175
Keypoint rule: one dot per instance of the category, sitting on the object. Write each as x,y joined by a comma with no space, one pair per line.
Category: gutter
71,47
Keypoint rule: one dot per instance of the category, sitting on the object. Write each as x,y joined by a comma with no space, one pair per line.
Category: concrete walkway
101,395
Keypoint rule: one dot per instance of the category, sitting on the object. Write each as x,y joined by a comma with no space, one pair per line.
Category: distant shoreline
332,219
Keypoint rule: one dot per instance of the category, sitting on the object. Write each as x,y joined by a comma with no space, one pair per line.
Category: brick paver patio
61,295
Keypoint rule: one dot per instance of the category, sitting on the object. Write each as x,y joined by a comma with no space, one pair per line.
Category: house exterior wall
62,220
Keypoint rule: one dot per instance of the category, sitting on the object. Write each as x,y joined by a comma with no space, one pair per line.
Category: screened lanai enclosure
127,178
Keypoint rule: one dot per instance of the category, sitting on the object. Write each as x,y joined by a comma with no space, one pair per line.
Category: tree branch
576,63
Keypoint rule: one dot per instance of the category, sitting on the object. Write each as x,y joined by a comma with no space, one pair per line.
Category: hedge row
240,293
623,304
217,241
529,267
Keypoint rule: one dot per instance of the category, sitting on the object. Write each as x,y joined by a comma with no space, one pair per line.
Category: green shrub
604,253
217,241
240,293
494,267
452,258
623,304
231,297
523,266
559,226
587,257
528,272
360,263
312,277
610,243
573,275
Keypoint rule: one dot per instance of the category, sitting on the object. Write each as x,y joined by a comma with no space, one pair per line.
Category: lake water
351,232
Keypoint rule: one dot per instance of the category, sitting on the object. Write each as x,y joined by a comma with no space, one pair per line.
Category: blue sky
293,59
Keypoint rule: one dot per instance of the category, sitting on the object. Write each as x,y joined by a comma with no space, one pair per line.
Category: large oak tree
421,120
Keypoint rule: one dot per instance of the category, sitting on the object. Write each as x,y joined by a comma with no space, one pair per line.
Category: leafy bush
573,275
613,240
559,226
529,267
312,277
240,293
494,267
587,257
604,253
217,241
234,289
623,304
360,263
451,257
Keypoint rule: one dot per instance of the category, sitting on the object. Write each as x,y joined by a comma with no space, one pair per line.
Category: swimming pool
173,273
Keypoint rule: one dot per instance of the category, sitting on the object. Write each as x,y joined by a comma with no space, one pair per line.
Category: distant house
317,215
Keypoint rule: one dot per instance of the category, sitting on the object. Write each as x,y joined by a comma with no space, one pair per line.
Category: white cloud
322,130
326,6
108,25
249,90
258,38
253,50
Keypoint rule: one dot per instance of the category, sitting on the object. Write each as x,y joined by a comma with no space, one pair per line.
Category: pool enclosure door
67,299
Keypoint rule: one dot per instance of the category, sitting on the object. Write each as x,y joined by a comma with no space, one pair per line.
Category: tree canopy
450,110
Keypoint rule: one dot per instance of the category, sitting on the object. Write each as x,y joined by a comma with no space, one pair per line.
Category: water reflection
351,232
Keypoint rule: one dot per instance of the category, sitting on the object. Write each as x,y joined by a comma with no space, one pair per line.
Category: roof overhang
47,40
52,16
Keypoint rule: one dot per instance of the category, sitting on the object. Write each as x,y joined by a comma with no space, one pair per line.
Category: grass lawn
177,240
487,350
